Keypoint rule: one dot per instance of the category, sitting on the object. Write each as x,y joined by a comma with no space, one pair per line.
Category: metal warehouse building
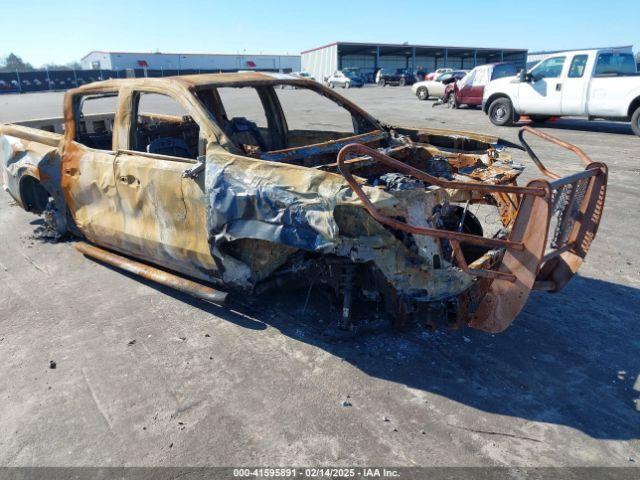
368,57
98,60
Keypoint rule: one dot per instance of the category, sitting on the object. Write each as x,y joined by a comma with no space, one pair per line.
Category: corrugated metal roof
407,45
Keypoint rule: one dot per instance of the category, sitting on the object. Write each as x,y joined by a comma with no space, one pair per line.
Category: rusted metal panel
160,215
506,297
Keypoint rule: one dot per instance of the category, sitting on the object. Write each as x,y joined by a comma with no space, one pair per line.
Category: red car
470,89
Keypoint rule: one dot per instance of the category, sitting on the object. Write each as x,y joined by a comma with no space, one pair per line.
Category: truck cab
599,83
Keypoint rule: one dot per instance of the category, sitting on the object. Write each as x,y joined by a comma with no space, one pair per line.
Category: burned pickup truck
229,195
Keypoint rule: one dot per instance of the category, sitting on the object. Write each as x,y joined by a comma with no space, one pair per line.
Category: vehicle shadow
581,125
569,359
229,313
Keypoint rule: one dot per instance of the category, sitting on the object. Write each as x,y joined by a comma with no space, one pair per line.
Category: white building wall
320,63
100,60
180,61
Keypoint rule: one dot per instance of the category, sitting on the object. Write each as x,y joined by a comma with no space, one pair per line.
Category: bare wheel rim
500,113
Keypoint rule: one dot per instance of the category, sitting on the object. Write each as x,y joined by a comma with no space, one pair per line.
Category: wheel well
634,104
33,195
491,99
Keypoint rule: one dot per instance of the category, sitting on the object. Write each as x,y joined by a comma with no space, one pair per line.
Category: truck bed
91,123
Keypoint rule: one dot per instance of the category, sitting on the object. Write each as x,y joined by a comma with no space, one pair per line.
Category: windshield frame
274,108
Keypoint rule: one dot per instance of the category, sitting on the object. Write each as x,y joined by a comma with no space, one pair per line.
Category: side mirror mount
527,77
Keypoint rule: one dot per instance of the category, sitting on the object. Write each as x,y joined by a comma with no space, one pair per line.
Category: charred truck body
209,201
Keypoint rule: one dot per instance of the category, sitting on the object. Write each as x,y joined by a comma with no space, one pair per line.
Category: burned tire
451,101
635,122
33,195
422,93
501,112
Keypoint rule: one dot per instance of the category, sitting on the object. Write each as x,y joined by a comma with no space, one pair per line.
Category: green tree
12,62
66,66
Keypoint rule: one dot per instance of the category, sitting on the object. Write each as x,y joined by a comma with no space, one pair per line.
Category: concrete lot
258,384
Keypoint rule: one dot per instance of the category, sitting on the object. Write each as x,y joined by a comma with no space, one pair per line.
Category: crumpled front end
401,226
276,225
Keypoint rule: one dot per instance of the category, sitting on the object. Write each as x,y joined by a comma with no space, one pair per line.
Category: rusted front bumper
557,219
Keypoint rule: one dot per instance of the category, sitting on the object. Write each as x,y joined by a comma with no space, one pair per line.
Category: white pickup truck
601,83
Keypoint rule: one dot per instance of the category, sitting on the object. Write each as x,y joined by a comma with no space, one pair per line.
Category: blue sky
61,31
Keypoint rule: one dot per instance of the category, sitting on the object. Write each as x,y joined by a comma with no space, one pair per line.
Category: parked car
435,88
353,71
215,204
368,76
421,75
600,83
470,89
306,75
400,77
344,80
437,73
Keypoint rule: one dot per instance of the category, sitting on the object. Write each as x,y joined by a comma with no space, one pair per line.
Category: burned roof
208,79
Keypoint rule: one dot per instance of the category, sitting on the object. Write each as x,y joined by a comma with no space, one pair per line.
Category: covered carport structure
369,57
